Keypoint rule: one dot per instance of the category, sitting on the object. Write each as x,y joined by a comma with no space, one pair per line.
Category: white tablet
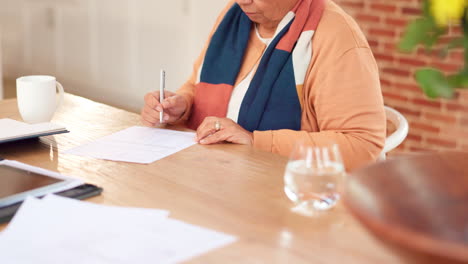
18,180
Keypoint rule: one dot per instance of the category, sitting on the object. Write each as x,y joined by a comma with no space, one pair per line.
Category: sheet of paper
136,144
11,128
58,230
53,207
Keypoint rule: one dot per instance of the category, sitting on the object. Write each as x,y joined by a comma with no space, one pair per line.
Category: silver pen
162,86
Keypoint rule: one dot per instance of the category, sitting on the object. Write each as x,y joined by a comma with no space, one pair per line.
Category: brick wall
434,124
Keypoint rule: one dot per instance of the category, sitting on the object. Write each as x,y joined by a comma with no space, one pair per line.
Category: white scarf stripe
284,22
302,54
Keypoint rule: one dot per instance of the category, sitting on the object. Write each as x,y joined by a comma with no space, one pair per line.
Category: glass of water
313,176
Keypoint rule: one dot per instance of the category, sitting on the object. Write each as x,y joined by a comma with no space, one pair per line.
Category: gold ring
217,125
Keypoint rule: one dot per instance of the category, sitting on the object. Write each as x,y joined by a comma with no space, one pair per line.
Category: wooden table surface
229,188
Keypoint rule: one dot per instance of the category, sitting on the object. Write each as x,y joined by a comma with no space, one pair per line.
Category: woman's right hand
174,107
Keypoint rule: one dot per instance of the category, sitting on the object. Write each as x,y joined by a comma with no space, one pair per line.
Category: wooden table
229,188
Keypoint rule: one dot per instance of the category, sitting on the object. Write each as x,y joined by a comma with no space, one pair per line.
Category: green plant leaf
455,80
434,83
432,37
455,43
459,80
420,31
426,8
464,21
465,46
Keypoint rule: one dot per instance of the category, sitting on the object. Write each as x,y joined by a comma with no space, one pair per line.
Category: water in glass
313,177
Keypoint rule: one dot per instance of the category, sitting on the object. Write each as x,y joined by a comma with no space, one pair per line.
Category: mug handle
61,92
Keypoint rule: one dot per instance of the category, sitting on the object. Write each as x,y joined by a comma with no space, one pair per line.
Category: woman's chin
257,18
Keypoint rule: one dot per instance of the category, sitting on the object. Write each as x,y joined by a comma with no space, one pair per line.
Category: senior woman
277,71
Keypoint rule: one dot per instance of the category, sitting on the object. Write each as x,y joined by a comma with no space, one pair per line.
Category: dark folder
81,192
42,134
14,130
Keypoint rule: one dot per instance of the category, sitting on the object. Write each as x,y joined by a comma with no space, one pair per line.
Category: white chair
398,136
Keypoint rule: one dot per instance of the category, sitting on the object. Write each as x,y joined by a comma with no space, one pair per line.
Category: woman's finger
151,111
206,128
229,132
152,100
169,102
146,122
152,115
168,93
175,101
217,137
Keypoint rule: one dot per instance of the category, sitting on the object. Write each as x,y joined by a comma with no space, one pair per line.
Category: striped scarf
272,99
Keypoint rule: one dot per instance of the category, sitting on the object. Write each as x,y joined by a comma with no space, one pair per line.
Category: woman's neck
267,30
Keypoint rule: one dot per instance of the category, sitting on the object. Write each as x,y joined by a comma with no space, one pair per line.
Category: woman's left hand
215,130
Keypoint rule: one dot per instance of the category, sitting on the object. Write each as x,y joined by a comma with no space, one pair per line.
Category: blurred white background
110,51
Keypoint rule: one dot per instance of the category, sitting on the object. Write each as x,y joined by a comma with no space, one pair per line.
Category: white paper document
62,230
136,144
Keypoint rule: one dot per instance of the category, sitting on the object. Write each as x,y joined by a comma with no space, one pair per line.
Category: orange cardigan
341,99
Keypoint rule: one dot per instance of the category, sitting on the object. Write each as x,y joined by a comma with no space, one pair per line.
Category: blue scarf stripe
224,56
276,105
291,117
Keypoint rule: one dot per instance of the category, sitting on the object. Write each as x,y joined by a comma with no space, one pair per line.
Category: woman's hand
215,130
174,106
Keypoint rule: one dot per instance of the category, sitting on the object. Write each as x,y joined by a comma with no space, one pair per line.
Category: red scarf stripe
308,15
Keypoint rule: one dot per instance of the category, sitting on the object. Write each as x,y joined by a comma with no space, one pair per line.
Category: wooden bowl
417,204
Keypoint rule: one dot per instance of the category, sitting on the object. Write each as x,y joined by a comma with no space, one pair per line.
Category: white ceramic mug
37,97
